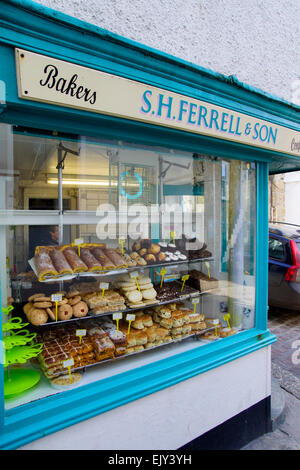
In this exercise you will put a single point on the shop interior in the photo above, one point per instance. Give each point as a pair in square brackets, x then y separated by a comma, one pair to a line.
[156, 246]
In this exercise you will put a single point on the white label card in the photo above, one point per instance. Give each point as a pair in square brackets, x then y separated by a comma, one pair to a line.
[78, 241]
[104, 285]
[117, 316]
[215, 322]
[195, 301]
[80, 332]
[130, 317]
[134, 274]
[68, 363]
[56, 297]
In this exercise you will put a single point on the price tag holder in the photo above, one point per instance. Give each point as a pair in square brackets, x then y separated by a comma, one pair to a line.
[117, 316]
[121, 242]
[104, 286]
[208, 268]
[195, 302]
[162, 274]
[56, 298]
[173, 234]
[78, 242]
[184, 279]
[134, 275]
[80, 334]
[68, 364]
[216, 322]
[129, 317]
[227, 318]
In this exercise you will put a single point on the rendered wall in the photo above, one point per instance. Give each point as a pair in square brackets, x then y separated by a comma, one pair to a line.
[174, 416]
[255, 40]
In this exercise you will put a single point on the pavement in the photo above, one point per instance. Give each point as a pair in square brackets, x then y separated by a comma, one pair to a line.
[285, 395]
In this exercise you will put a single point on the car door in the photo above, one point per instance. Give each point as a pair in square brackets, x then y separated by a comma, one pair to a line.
[279, 262]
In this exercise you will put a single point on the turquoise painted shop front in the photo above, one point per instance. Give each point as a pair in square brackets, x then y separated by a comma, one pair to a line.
[32, 27]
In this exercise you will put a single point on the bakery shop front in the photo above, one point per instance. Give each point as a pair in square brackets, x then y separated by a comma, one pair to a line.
[133, 242]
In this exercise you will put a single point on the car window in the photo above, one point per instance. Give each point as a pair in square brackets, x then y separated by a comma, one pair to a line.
[276, 249]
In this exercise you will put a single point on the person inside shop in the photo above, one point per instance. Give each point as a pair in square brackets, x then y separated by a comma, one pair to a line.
[47, 235]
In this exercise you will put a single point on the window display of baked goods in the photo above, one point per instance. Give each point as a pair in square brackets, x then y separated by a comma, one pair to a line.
[105, 340]
[65, 261]
[87, 299]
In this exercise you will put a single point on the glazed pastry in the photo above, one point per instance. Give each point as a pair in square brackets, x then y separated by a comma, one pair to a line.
[60, 263]
[105, 261]
[154, 249]
[44, 266]
[74, 261]
[141, 261]
[89, 259]
[117, 259]
[150, 259]
[161, 257]
[143, 252]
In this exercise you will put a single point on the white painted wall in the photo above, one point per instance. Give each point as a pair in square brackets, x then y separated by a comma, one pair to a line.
[174, 416]
[292, 197]
[256, 40]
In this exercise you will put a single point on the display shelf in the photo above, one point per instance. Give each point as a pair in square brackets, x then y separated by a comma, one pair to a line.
[127, 310]
[115, 272]
[124, 356]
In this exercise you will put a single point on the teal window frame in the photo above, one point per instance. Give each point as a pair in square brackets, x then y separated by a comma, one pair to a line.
[33, 27]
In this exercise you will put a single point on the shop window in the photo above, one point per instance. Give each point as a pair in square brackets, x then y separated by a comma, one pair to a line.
[118, 255]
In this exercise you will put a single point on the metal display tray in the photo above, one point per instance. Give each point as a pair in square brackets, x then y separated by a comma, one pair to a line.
[124, 356]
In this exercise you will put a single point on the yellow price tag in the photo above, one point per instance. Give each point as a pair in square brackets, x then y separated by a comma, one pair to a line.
[208, 268]
[56, 298]
[227, 318]
[184, 279]
[104, 286]
[68, 364]
[78, 242]
[129, 317]
[162, 273]
[117, 316]
[121, 242]
[195, 302]
[80, 333]
[134, 275]
[216, 323]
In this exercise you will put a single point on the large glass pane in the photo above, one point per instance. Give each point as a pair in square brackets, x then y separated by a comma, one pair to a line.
[90, 229]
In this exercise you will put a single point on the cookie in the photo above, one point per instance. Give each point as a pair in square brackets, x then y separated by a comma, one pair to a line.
[42, 304]
[146, 286]
[64, 312]
[134, 296]
[27, 307]
[136, 305]
[35, 296]
[51, 314]
[74, 300]
[72, 294]
[80, 309]
[149, 294]
[37, 316]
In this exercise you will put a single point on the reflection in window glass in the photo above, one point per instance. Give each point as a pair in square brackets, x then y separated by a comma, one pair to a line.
[80, 215]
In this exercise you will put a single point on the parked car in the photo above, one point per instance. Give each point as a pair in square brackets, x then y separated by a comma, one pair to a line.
[284, 265]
